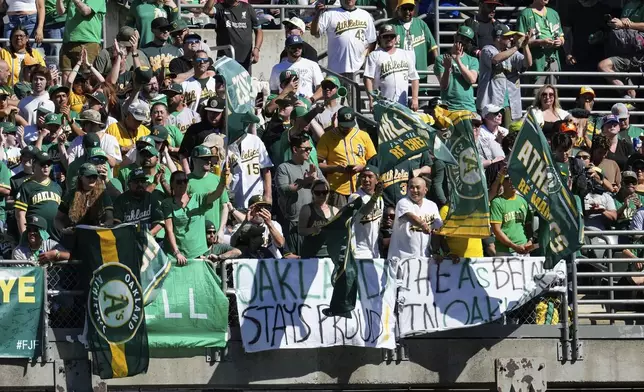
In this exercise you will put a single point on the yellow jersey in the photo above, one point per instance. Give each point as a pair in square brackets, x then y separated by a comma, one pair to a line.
[76, 102]
[124, 137]
[15, 65]
[355, 148]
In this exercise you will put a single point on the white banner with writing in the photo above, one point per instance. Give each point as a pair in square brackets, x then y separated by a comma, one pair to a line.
[280, 305]
[434, 297]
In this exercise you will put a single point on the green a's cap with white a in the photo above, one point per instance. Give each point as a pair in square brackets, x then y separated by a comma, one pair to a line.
[201, 151]
[98, 97]
[87, 169]
[347, 117]
[466, 32]
[37, 221]
[371, 168]
[289, 73]
[54, 119]
[146, 140]
[151, 149]
[174, 88]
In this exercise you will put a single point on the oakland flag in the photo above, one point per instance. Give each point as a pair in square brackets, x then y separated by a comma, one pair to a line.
[535, 175]
[117, 335]
[469, 207]
[337, 234]
[239, 99]
[403, 134]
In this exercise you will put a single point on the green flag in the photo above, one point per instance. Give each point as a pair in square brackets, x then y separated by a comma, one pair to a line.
[403, 134]
[117, 335]
[536, 176]
[469, 207]
[338, 234]
[240, 102]
[21, 311]
[154, 269]
[191, 311]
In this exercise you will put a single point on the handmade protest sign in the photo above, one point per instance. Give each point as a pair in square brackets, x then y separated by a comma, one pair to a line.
[281, 303]
[190, 311]
[443, 296]
[22, 292]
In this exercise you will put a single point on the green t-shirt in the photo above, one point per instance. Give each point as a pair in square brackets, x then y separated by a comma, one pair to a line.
[460, 93]
[416, 37]
[124, 173]
[40, 199]
[67, 201]
[205, 184]
[51, 15]
[5, 182]
[79, 28]
[634, 10]
[146, 210]
[624, 220]
[630, 133]
[512, 214]
[53, 150]
[160, 55]
[218, 249]
[175, 137]
[547, 26]
[142, 13]
[189, 225]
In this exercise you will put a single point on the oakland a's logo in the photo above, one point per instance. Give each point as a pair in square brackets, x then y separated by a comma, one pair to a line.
[553, 183]
[466, 177]
[115, 303]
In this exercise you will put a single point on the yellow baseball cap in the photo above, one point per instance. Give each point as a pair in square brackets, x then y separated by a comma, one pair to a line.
[587, 90]
[403, 2]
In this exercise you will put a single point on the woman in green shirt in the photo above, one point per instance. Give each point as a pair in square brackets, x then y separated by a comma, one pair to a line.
[184, 217]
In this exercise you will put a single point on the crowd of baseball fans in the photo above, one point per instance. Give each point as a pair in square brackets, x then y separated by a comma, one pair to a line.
[134, 130]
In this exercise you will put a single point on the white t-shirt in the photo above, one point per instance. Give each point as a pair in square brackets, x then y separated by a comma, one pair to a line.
[184, 119]
[350, 33]
[28, 105]
[309, 73]
[246, 162]
[392, 72]
[366, 228]
[109, 144]
[406, 239]
[193, 92]
[325, 119]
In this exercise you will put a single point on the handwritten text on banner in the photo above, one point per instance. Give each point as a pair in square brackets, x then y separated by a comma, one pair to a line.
[280, 305]
[443, 296]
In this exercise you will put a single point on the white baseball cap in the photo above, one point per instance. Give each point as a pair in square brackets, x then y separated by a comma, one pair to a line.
[297, 22]
[139, 110]
[620, 110]
[490, 108]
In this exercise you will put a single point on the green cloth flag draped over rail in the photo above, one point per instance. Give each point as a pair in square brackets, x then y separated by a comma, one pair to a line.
[536, 176]
[191, 311]
[21, 311]
[240, 102]
[469, 207]
[117, 335]
[337, 234]
[154, 269]
[402, 134]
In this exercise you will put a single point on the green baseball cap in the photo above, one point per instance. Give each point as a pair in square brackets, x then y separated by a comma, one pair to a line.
[151, 149]
[298, 111]
[42, 110]
[289, 73]
[42, 157]
[346, 117]
[146, 140]
[210, 226]
[174, 88]
[8, 127]
[37, 221]
[98, 97]
[159, 133]
[53, 90]
[178, 25]
[87, 169]
[143, 75]
[54, 119]
[96, 152]
[332, 79]
[137, 174]
[22, 89]
[201, 152]
[371, 168]
[466, 32]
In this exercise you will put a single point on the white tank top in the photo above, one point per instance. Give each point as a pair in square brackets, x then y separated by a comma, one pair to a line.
[21, 6]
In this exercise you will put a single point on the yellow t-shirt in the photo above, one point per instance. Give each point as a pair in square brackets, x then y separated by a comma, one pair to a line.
[337, 149]
[124, 137]
[15, 65]
[462, 247]
[76, 102]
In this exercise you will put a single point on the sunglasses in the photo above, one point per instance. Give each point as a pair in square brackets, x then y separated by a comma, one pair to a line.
[584, 157]
[328, 86]
[306, 149]
[98, 161]
[200, 60]
[181, 182]
[320, 193]
[407, 8]
[211, 232]
[92, 177]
